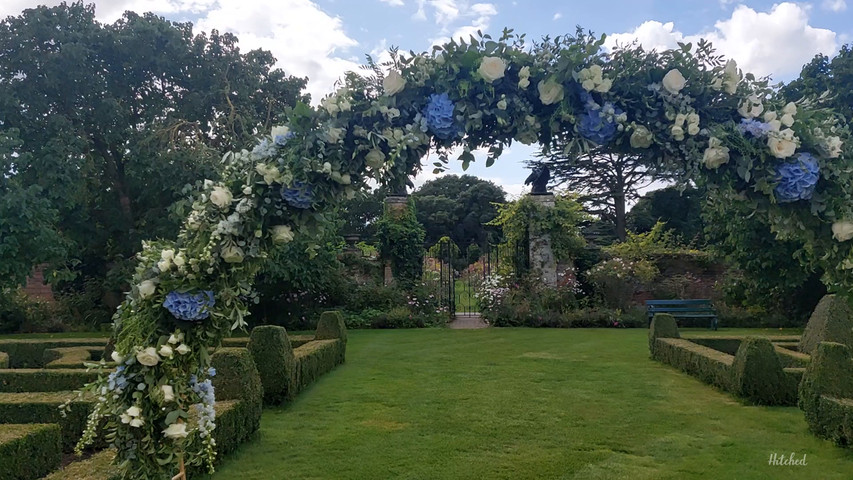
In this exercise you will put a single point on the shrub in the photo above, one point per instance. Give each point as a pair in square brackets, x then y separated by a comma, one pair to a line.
[239, 395]
[43, 407]
[29, 452]
[30, 353]
[70, 357]
[401, 240]
[758, 376]
[706, 364]
[22, 314]
[331, 326]
[663, 326]
[616, 279]
[832, 321]
[828, 376]
[313, 360]
[273, 354]
[40, 380]
[97, 467]
[4, 360]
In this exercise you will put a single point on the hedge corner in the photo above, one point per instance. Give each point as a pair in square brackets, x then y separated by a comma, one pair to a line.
[830, 373]
[663, 326]
[4, 360]
[831, 321]
[29, 452]
[331, 326]
[273, 354]
[757, 374]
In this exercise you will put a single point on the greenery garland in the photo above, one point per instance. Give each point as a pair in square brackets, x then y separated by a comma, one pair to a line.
[684, 110]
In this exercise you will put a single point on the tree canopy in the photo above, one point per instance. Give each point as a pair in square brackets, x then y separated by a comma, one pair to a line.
[681, 210]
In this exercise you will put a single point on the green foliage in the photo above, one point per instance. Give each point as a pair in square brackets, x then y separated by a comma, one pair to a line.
[29, 452]
[315, 359]
[97, 467]
[459, 207]
[832, 321]
[401, 241]
[4, 361]
[331, 326]
[19, 380]
[663, 326]
[29, 353]
[237, 379]
[681, 211]
[273, 355]
[361, 213]
[615, 280]
[43, 407]
[444, 248]
[757, 374]
[561, 222]
[706, 364]
[22, 314]
[826, 80]
[829, 374]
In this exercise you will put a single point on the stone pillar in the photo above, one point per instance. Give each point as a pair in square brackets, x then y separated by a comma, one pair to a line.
[542, 258]
[395, 205]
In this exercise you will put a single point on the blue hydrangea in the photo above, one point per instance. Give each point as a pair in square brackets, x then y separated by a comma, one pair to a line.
[754, 127]
[598, 126]
[439, 116]
[116, 381]
[299, 195]
[281, 140]
[797, 178]
[190, 307]
[211, 372]
[264, 149]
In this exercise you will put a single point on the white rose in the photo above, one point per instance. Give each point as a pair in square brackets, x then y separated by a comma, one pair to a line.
[133, 411]
[750, 107]
[588, 85]
[716, 154]
[393, 83]
[641, 137]
[693, 128]
[832, 146]
[175, 431]
[843, 230]
[167, 254]
[550, 92]
[375, 159]
[693, 119]
[183, 349]
[168, 393]
[787, 119]
[279, 131]
[180, 260]
[680, 119]
[604, 86]
[232, 254]
[164, 265]
[166, 351]
[270, 173]
[331, 105]
[147, 288]
[116, 357]
[125, 418]
[596, 72]
[790, 108]
[148, 357]
[524, 83]
[769, 116]
[176, 338]
[674, 81]
[136, 423]
[782, 144]
[677, 133]
[282, 234]
[221, 196]
[775, 125]
[731, 77]
[502, 104]
[524, 77]
[492, 68]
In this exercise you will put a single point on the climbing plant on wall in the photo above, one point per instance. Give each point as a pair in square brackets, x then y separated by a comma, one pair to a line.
[686, 109]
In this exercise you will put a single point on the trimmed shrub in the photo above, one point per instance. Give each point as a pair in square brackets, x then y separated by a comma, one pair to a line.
[71, 357]
[758, 376]
[826, 392]
[832, 321]
[4, 360]
[331, 326]
[728, 345]
[313, 360]
[29, 452]
[709, 365]
[273, 354]
[41, 380]
[97, 467]
[30, 353]
[44, 408]
[237, 379]
[790, 358]
[663, 326]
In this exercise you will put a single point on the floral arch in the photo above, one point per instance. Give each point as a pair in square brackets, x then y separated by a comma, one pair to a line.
[684, 110]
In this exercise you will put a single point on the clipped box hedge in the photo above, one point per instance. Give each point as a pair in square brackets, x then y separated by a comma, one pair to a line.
[273, 354]
[43, 407]
[29, 452]
[71, 357]
[4, 360]
[826, 393]
[313, 360]
[21, 380]
[757, 374]
[29, 353]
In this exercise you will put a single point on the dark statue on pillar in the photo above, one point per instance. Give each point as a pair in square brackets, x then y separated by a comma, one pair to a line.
[539, 178]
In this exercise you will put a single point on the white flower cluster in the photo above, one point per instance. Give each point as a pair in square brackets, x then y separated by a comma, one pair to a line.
[829, 145]
[337, 102]
[730, 79]
[682, 122]
[591, 79]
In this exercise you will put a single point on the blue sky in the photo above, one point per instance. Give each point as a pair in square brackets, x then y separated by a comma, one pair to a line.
[322, 39]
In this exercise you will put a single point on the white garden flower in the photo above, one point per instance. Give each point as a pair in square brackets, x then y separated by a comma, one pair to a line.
[183, 349]
[133, 411]
[175, 431]
[550, 92]
[180, 260]
[524, 77]
[117, 357]
[641, 137]
[769, 116]
[232, 254]
[588, 85]
[731, 77]
[787, 119]
[176, 338]
[492, 68]
[148, 357]
[502, 104]
[282, 234]
[166, 351]
[831, 145]
[221, 196]
[270, 172]
[790, 109]
[137, 422]
[331, 105]
[394, 83]
[680, 119]
[782, 144]
[750, 107]
[843, 230]
[167, 254]
[334, 134]
[168, 393]
[604, 86]
[693, 128]
[147, 288]
[279, 131]
[125, 418]
[674, 81]
[677, 133]
[375, 159]
[716, 154]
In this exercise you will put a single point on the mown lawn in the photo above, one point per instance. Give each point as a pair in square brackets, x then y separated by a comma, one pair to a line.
[523, 404]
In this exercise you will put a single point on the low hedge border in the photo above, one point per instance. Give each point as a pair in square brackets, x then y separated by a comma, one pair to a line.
[29, 452]
[826, 393]
[30, 353]
[20, 380]
[97, 467]
[71, 357]
[315, 359]
[43, 407]
[4, 360]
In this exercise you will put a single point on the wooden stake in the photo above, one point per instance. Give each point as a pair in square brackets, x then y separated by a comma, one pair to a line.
[182, 474]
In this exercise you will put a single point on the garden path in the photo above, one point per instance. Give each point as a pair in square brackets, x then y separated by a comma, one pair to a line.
[467, 321]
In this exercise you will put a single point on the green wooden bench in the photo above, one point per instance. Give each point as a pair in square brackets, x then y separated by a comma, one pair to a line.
[692, 308]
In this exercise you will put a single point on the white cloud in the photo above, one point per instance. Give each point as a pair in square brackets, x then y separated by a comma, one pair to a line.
[477, 17]
[557, 16]
[777, 42]
[393, 3]
[834, 5]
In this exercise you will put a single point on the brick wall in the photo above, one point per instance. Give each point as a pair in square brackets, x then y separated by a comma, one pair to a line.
[36, 288]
